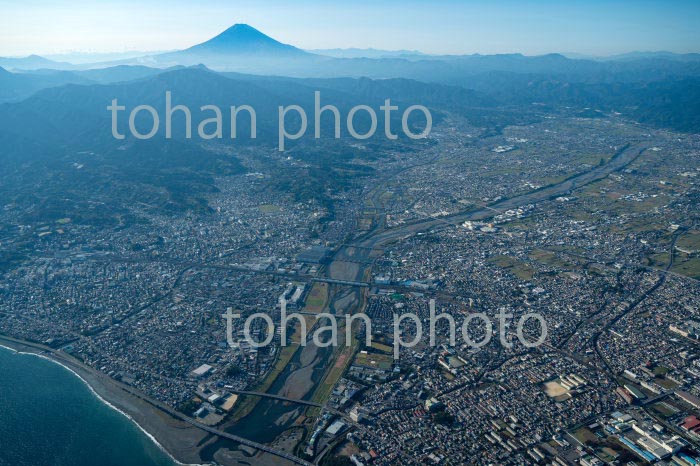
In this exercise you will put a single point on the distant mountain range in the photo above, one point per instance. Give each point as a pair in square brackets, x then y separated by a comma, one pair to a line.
[33, 62]
[59, 158]
[648, 86]
[243, 48]
[59, 155]
[91, 58]
[17, 86]
[369, 53]
[653, 55]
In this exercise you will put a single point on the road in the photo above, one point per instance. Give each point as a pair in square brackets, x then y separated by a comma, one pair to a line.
[620, 160]
[380, 237]
[220, 433]
[77, 366]
[633, 305]
[288, 400]
[356, 257]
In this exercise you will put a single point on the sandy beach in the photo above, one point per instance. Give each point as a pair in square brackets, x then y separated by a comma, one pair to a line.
[180, 440]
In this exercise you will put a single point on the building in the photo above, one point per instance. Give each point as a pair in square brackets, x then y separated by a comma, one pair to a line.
[624, 394]
[335, 428]
[202, 370]
[689, 398]
[635, 392]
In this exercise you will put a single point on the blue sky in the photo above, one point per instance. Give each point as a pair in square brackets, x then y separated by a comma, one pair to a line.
[592, 27]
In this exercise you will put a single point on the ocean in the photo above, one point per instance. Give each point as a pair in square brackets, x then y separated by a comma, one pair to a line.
[50, 417]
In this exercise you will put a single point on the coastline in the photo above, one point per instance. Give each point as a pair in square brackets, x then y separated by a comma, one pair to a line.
[181, 442]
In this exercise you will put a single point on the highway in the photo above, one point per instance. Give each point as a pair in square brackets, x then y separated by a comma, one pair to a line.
[341, 282]
[359, 252]
[289, 400]
[77, 366]
[378, 239]
[217, 432]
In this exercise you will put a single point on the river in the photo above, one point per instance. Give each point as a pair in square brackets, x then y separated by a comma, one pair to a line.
[50, 417]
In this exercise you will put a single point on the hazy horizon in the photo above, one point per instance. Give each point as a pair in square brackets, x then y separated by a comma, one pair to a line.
[530, 27]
